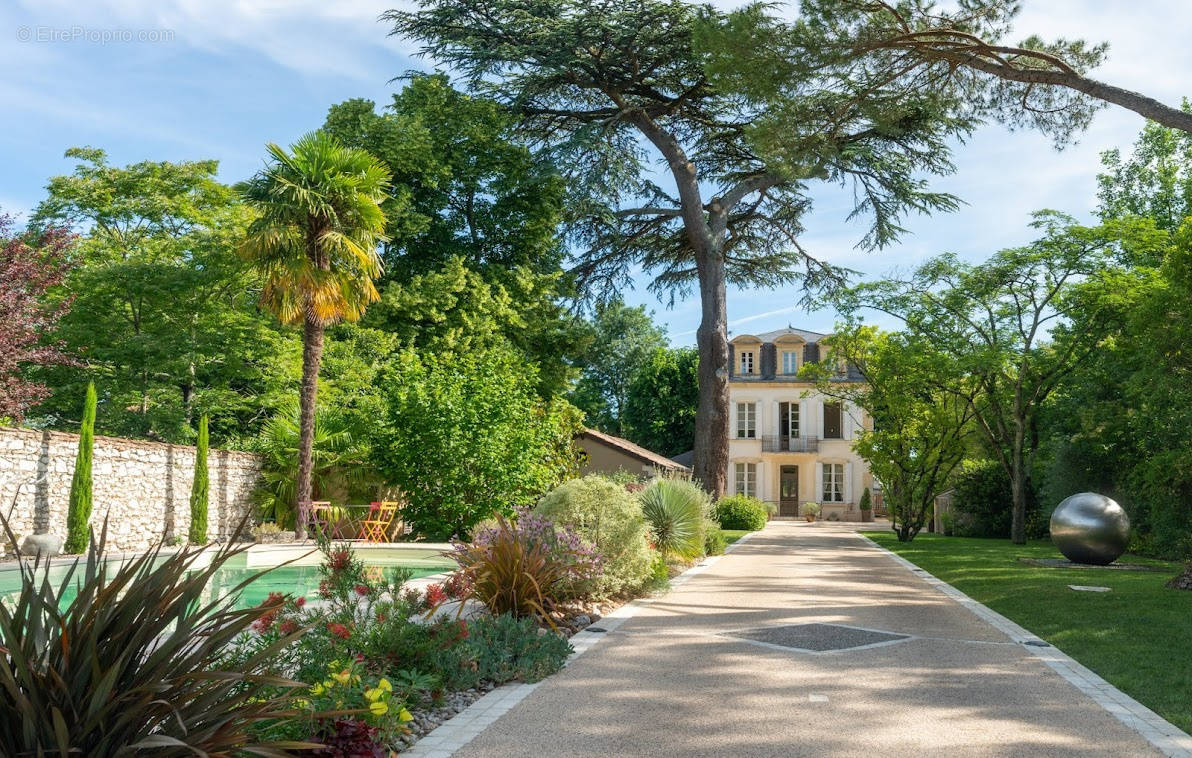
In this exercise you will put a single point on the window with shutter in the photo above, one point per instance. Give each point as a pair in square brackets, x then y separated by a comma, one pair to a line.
[833, 490]
[746, 420]
[832, 421]
[746, 479]
[746, 363]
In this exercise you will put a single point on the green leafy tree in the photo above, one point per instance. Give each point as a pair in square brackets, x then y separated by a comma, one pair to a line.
[473, 222]
[457, 308]
[1154, 182]
[919, 412]
[661, 404]
[78, 512]
[199, 488]
[608, 87]
[1015, 327]
[315, 243]
[466, 437]
[1119, 423]
[463, 185]
[624, 340]
[162, 317]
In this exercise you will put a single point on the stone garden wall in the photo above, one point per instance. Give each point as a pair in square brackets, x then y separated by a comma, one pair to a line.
[142, 487]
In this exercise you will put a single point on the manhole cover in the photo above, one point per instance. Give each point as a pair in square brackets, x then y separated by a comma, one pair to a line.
[818, 638]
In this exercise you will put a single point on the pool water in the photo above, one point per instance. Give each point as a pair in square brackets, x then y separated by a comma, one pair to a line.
[299, 578]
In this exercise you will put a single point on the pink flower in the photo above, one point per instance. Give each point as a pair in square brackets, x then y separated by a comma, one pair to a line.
[339, 630]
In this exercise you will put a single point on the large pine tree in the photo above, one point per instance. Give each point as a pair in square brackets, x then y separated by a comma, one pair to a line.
[612, 89]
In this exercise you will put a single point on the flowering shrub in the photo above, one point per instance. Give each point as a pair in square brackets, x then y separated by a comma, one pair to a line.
[346, 687]
[609, 518]
[564, 546]
[526, 567]
[382, 662]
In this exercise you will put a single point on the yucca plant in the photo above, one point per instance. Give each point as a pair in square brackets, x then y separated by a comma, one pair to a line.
[675, 510]
[133, 664]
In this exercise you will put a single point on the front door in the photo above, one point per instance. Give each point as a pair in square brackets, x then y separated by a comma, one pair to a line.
[788, 491]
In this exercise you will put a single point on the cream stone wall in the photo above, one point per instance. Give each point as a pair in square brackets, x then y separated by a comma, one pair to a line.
[767, 395]
[142, 487]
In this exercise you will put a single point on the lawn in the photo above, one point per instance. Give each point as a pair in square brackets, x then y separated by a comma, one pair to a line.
[1138, 636]
[732, 535]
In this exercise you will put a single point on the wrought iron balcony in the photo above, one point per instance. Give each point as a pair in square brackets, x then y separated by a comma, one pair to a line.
[781, 443]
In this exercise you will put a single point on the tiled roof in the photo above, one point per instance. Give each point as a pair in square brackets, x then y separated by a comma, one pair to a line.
[637, 451]
[811, 337]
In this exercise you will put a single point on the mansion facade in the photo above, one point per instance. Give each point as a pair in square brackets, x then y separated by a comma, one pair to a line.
[790, 444]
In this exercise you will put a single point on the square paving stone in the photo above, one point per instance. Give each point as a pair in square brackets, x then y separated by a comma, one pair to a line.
[818, 638]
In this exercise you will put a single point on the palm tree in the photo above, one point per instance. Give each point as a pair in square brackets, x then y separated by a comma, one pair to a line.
[315, 243]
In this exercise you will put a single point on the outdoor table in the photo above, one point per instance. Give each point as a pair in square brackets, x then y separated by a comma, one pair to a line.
[340, 522]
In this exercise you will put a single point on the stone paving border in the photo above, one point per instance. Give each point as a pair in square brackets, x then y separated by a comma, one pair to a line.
[462, 728]
[1167, 737]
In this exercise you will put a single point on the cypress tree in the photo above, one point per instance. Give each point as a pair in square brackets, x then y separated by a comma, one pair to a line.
[198, 490]
[78, 516]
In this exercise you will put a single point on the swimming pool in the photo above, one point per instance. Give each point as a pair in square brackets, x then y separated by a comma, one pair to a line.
[300, 577]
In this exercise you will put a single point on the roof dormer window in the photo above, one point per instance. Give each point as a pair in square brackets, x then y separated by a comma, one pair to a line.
[790, 362]
[745, 362]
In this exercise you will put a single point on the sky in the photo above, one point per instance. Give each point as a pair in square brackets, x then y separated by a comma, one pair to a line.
[201, 79]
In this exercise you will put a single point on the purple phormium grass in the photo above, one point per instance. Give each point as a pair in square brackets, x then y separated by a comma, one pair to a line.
[582, 559]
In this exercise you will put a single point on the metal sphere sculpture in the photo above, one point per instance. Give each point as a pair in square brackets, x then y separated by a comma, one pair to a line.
[1090, 528]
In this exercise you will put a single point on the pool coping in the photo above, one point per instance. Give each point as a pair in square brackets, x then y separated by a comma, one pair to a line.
[253, 548]
[1161, 733]
[462, 728]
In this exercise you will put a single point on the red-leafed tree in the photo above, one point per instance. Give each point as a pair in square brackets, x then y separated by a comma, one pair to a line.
[30, 264]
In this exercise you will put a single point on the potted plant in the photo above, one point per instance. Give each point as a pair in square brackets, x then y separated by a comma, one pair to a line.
[811, 511]
[866, 506]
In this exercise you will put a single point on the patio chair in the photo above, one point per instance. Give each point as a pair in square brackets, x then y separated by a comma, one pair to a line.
[380, 516]
[322, 518]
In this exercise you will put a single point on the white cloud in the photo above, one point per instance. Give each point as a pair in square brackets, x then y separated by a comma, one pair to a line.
[312, 37]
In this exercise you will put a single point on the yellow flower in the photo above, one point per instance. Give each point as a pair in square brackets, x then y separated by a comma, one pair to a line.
[404, 715]
[342, 677]
[374, 694]
[385, 685]
[301, 703]
[318, 689]
[379, 708]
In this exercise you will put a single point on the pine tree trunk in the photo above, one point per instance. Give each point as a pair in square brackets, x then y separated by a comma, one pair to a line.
[312, 356]
[705, 231]
[710, 459]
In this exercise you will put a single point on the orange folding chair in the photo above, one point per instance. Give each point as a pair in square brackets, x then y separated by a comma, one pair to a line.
[376, 525]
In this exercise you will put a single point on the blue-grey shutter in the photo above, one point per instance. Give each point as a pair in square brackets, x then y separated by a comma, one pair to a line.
[769, 360]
